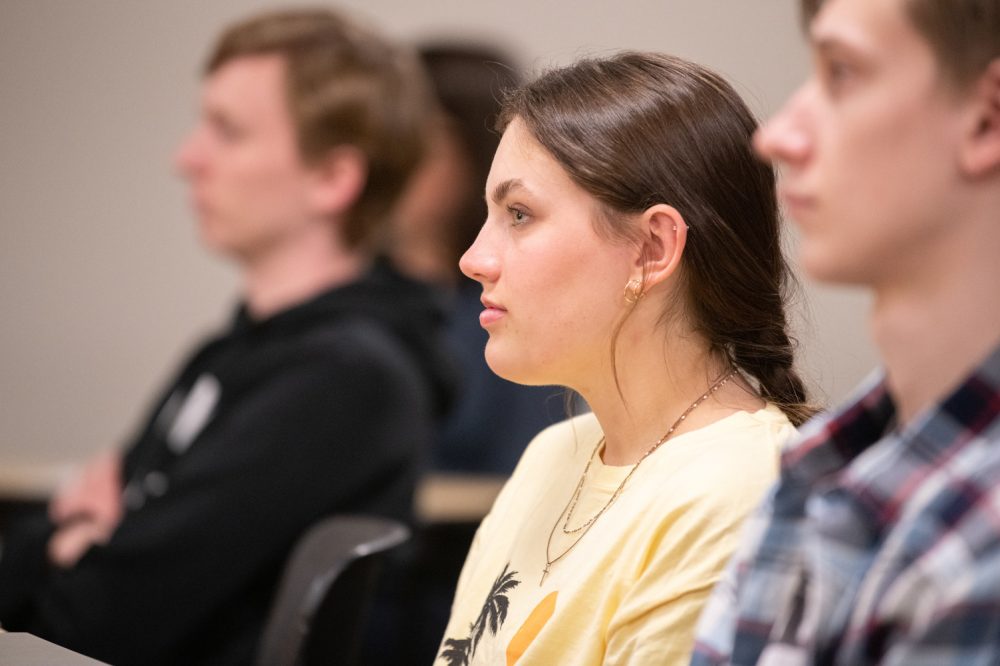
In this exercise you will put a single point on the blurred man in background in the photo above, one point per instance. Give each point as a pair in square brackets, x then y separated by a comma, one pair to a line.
[319, 397]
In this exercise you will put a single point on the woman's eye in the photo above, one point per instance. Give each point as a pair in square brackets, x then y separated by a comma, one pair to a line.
[517, 216]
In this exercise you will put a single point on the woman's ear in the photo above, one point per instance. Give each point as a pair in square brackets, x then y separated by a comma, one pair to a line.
[664, 234]
[980, 152]
[338, 179]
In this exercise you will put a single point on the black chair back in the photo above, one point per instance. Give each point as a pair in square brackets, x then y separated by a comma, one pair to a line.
[326, 592]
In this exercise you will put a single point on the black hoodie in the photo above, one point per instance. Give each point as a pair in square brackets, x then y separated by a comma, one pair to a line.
[325, 407]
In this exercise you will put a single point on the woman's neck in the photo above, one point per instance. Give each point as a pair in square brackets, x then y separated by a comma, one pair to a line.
[657, 384]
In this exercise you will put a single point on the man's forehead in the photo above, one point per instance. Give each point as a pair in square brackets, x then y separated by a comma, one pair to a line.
[246, 70]
[248, 81]
[861, 25]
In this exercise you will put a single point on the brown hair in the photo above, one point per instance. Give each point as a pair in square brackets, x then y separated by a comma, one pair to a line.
[346, 86]
[964, 34]
[469, 80]
[639, 129]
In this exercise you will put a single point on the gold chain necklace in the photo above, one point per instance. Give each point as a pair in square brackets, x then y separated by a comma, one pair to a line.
[571, 505]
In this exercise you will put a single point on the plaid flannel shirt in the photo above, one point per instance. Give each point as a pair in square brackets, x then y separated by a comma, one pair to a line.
[878, 544]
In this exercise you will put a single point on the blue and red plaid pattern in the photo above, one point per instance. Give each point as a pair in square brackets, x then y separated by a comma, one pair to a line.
[877, 545]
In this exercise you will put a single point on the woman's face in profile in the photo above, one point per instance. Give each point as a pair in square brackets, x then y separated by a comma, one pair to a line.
[552, 287]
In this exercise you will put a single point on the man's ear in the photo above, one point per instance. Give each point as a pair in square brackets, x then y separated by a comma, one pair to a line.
[664, 237]
[338, 180]
[980, 152]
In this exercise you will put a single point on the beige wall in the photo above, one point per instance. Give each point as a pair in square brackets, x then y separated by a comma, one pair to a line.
[102, 284]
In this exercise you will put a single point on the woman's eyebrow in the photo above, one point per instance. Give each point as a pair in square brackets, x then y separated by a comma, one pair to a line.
[503, 189]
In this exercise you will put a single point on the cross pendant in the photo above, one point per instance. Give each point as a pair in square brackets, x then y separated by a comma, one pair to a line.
[545, 572]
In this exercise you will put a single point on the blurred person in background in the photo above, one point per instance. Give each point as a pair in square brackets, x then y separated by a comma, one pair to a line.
[881, 542]
[318, 398]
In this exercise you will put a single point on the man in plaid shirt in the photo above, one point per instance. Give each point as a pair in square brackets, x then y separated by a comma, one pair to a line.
[881, 542]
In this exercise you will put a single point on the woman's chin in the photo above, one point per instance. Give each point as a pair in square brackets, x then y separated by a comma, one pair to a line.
[506, 367]
[518, 373]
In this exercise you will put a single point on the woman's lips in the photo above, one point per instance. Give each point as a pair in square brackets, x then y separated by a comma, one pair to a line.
[491, 314]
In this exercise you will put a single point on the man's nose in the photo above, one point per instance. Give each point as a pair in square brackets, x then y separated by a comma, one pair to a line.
[785, 137]
[189, 155]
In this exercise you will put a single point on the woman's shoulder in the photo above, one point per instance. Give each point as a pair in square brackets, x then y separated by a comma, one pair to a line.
[746, 433]
[732, 460]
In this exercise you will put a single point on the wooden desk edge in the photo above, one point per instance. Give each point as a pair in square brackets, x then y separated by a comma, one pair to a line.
[35, 481]
[456, 497]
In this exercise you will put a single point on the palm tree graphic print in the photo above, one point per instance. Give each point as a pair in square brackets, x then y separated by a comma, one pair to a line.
[458, 651]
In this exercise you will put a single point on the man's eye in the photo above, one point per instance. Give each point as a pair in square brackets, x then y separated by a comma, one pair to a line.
[838, 74]
[226, 131]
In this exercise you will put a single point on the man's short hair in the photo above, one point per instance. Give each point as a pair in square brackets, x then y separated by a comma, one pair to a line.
[346, 85]
[964, 34]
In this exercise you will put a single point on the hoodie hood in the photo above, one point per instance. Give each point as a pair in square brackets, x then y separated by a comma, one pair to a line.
[412, 311]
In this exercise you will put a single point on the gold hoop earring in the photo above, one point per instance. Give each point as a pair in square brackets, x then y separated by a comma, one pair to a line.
[633, 292]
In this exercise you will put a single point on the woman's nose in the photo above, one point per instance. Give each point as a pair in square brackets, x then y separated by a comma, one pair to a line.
[480, 261]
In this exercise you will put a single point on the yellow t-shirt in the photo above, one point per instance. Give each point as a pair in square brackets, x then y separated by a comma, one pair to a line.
[631, 588]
